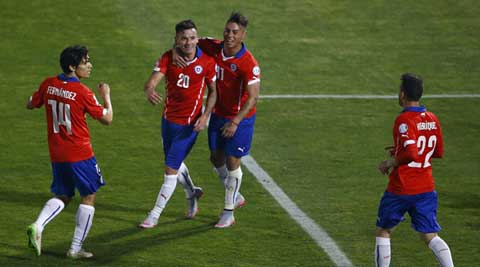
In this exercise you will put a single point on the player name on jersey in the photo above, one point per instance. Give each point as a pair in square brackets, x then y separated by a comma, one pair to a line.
[61, 92]
[422, 126]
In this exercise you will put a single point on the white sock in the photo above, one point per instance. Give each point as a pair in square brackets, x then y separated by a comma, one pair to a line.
[164, 195]
[83, 221]
[232, 186]
[441, 251]
[222, 173]
[382, 252]
[185, 180]
[52, 208]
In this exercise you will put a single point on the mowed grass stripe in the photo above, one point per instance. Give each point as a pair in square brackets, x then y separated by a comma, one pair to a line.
[317, 233]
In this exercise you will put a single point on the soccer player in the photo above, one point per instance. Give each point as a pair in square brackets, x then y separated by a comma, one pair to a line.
[417, 138]
[230, 130]
[74, 165]
[182, 114]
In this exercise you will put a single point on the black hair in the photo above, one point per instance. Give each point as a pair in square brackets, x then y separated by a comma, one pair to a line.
[412, 86]
[185, 25]
[72, 56]
[237, 17]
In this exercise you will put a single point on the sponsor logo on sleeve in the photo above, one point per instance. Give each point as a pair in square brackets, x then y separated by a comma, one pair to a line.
[403, 128]
[256, 70]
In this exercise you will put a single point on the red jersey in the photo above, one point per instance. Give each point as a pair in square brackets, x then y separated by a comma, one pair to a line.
[66, 102]
[234, 74]
[417, 137]
[185, 86]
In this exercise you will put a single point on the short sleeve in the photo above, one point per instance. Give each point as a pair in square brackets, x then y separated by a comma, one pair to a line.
[252, 72]
[92, 106]
[38, 96]
[163, 62]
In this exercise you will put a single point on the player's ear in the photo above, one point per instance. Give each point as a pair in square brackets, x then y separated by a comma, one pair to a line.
[72, 68]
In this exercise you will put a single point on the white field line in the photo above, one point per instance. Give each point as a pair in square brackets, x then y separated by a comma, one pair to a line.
[314, 230]
[364, 96]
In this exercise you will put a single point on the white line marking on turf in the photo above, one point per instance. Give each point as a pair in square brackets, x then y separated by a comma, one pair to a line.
[314, 230]
[364, 96]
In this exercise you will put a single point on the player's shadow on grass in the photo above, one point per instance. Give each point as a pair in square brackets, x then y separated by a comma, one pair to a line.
[38, 199]
[108, 247]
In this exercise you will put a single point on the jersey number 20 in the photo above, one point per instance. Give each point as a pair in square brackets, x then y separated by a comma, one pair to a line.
[423, 145]
[60, 116]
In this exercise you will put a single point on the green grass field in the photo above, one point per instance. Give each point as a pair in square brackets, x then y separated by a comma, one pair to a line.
[322, 152]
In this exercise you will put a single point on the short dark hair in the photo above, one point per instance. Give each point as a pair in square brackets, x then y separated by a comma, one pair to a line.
[237, 17]
[412, 86]
[185, 25]
[72, 56]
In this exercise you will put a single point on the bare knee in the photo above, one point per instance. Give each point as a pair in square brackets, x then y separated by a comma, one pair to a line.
[89, 199]
[217, 158]
[427, 237]
[64, 199]
[381, 232]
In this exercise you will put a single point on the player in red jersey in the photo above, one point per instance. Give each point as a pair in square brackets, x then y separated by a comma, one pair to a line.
[66, 102]
[182, 114]
[417, 138]
[230, 130]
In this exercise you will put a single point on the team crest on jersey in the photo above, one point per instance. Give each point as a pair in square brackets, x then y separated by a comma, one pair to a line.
[403, 128]
[233, 67]
[198, 69]
[256, 70]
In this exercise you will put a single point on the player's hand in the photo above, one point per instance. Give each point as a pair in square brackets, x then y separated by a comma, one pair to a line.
[201, 123]
[103, 89]
[385, 166]
[390, 150]
[178, 60]
[229, 129]
[153, 97]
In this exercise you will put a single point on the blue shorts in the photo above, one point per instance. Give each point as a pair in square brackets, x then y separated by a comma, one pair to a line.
[422, 209]
[177, 140]
[84, 175]
[237, 146]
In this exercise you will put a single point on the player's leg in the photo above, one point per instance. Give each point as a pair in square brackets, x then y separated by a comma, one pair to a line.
[192, 193]
[439, 248]
[83, 223]
[217, 144]
[63, 188]
[424, 221]
[88, 179]
[232, 186]
[163, 196]
[390, 213]
[382, 247]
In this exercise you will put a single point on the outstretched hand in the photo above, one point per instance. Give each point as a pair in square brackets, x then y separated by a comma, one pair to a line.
[153, 97]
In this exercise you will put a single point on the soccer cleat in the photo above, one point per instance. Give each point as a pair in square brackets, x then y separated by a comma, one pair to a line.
[34, 239]
[240, 201]
[226, 220]
[82, 254]
[149, 222]
[192, 203]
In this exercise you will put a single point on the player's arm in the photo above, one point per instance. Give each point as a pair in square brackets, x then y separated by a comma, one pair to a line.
[407, 151]
[104, 91]
[211, 100]
[149, 88]
[253, 89]
[29, 103]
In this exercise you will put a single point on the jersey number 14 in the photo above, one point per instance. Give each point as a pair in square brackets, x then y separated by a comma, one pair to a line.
[60, 116]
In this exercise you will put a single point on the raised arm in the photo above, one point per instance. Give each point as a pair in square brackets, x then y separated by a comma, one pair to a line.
[104, 91]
